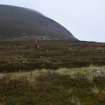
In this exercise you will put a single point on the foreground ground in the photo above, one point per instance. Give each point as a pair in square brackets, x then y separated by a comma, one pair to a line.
[19, 56]
[79, 86]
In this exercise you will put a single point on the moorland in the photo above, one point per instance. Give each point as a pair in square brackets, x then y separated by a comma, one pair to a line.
[56, 73]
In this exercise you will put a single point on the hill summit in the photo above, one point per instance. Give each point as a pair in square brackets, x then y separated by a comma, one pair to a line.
[18, 23]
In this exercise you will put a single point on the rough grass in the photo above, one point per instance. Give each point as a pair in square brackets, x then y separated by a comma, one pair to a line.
[20, 56]
[54, 74]
[80, 86]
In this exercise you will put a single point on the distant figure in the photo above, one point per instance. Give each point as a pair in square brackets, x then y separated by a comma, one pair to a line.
[36, 44]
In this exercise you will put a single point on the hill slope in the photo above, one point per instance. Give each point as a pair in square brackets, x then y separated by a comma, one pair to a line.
[18, 23]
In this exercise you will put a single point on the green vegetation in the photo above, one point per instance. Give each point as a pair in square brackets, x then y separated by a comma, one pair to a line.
[20, 56]
[54, 87]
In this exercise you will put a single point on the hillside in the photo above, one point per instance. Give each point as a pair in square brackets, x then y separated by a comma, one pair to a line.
[18, 23]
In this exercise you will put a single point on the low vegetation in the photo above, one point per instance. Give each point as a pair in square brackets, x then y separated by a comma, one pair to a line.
[20, 56]
[79, 86]
[56, 73]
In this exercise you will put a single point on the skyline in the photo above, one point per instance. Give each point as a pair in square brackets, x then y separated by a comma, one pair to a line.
[84, 19]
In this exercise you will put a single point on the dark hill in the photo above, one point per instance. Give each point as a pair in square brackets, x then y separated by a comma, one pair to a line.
[18, 23]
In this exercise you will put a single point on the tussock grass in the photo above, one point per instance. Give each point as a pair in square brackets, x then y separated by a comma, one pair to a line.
[54, 87]
[89, 72]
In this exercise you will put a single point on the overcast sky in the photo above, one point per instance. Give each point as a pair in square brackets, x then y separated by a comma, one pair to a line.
[84, 18]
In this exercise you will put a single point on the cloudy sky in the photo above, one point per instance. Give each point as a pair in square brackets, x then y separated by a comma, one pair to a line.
[84, 18]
